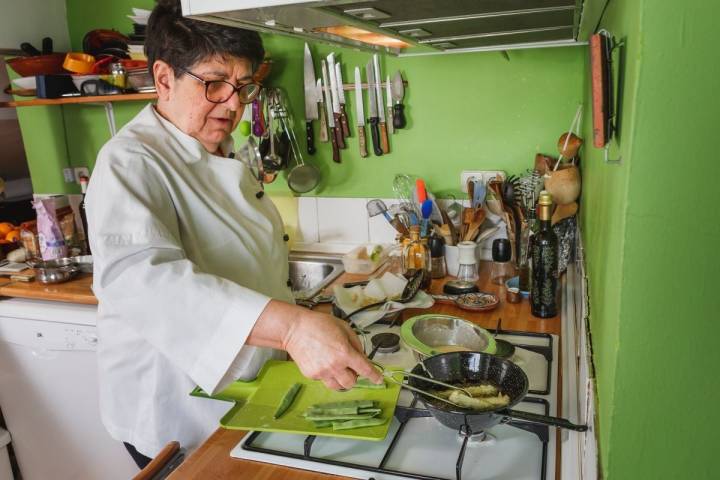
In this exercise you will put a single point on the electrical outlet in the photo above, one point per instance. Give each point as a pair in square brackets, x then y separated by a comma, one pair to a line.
[68, 175]
[478, 175]
[81, 172]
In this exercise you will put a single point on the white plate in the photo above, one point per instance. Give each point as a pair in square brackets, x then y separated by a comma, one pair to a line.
[26, 83]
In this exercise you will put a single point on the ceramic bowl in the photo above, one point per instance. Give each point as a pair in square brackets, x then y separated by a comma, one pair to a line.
[514, 282]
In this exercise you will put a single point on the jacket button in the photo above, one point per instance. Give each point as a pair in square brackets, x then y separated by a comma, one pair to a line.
[286, 237]
[259, 194]
[289, 283]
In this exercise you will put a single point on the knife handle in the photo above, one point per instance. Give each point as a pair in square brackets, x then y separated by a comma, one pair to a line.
[384, 138]
[344, 121]
[335, 149]
[362, 141]
[309, 138]
[375, 134]
[399, 116]
[323, 125]
[390, 121]
[338, 132]
[257, 126]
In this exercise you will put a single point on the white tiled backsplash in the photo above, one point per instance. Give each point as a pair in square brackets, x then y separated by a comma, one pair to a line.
[337, 225]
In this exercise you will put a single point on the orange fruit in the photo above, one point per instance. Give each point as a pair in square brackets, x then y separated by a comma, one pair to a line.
[13, 236]
[5, 228]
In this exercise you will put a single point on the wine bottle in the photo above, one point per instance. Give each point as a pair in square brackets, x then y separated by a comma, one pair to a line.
[543, 299]
[83, 215]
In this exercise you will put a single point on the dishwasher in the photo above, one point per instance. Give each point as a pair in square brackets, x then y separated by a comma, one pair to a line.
[49, 393]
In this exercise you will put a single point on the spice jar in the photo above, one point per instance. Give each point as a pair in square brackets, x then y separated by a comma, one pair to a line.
[437, 257]
[118, 75]
[416, 256]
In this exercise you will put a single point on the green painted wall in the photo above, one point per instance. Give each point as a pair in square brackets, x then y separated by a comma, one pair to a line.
[470, 111]
[650, 259]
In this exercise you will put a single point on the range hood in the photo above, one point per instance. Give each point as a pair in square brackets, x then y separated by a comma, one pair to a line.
[424, 26]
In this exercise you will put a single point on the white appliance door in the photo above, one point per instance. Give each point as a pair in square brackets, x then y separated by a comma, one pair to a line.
[49, 397]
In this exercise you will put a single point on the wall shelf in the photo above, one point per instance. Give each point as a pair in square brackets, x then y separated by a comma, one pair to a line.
[130, 97]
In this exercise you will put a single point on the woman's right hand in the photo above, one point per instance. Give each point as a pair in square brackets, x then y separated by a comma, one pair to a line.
[324, 347]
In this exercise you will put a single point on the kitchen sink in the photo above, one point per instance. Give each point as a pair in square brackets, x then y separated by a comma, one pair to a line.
[311, 272]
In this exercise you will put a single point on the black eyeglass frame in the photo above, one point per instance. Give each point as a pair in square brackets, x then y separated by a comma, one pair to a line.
[236, 90]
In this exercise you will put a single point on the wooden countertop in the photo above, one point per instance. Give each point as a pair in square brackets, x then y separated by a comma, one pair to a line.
[76, 290]
[212, 459]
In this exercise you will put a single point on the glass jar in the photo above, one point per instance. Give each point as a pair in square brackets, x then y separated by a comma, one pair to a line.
[468, 270]
[118, 75]
[416, 254]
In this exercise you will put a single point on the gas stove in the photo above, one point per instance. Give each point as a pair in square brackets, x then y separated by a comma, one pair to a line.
[418, 446]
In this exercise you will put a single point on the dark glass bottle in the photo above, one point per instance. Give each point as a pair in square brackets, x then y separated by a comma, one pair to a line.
[543, 299]
[83, 215]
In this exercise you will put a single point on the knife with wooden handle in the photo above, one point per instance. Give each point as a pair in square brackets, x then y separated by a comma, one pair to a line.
[373, 109]
[360, 114]
[341, 97]
[388, 100]
[335, 101]
[382, 126]
[330, 116]
[323, 116]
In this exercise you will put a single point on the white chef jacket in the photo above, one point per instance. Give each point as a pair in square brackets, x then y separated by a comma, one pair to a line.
[186, 257]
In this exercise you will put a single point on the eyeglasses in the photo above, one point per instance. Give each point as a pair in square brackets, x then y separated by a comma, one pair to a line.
[220, 91]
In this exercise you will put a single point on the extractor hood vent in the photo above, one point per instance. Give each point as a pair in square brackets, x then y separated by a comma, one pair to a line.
[401, 26]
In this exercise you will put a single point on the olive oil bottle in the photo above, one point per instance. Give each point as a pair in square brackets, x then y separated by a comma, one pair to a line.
[543, 298]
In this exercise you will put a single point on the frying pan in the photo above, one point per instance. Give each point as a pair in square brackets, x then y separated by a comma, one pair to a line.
[467, 368]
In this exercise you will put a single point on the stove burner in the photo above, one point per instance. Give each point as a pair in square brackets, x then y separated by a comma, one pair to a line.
[386, 342]
[466, 432]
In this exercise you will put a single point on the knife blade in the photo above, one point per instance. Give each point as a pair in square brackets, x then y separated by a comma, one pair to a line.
[398, 92]
[341, 96]
[330, 116]
[311, 101]
[360, 114]
[381, 108]
[388, 100]
[335, 100]
[373, 109]
[323, 116]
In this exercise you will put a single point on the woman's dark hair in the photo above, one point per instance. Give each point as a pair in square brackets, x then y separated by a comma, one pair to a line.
[181, 42]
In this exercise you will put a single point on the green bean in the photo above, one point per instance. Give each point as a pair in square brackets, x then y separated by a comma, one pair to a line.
[363, 416]
[347, 404]
[369, 410]
[323, 423]
[370, 422]
[287, 400]
[366, 383]
[332, 411]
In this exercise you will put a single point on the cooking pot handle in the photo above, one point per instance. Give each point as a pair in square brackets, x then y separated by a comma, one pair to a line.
[543, 419]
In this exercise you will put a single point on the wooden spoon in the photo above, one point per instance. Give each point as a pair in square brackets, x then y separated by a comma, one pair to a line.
[467, 219]
[474, 227]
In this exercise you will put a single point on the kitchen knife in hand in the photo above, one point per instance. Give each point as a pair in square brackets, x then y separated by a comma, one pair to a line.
[323, 116]
[330, 116]
[311, 101]
[382, 127]
[373, 109]
[388, 99]
[398, 92]
[341, 97]
[360, 114]
[335, 100]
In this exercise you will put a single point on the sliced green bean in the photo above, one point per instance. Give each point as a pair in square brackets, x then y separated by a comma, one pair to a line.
[370, 422]
[370, 410]
[323, 423]
[315, 418]
[347, 404]
[332, 411]
[287, 400]
[366, 383]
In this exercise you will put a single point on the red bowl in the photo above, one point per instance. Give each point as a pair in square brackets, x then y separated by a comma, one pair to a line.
[40, 65]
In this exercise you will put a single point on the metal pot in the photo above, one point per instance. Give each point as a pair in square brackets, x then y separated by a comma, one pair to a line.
[467, 368]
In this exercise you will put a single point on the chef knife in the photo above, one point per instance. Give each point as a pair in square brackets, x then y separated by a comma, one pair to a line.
[335, 100]
[398, 92]
[330, 117]
[380, 107]
[388, 99]
[311, 101]
[341, 97]
[373, 109]
[360, 114]
[323, 116]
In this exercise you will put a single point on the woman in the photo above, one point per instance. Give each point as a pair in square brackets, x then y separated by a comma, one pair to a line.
[191, 264]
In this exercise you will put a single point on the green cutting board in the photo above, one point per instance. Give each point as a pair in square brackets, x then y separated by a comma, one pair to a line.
[256, 402]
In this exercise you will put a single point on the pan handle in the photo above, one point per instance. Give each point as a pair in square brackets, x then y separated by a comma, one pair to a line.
[543, 419]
